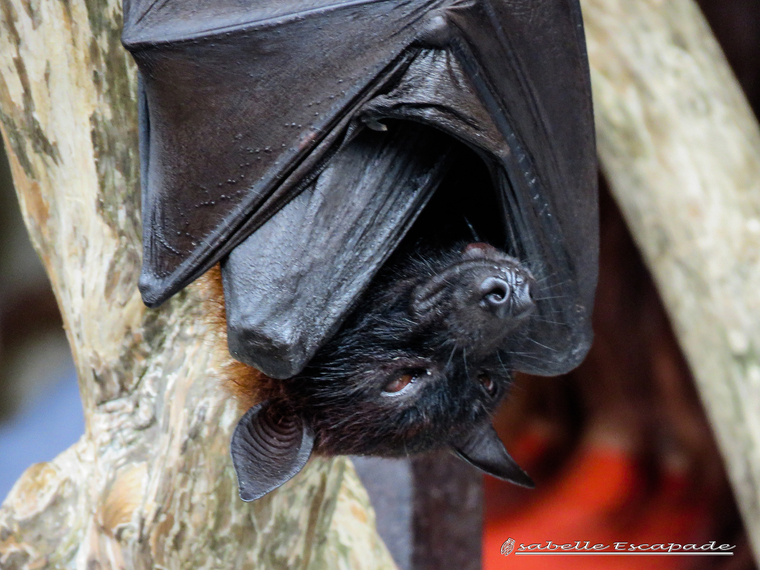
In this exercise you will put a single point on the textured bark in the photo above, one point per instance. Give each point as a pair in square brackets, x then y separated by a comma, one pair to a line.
[681, 150]
[150, 484]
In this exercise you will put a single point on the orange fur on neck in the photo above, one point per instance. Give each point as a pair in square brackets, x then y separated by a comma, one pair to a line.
[247, 384]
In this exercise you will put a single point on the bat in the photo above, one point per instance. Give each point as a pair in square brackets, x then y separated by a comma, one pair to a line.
[416, 368]
[333, 155]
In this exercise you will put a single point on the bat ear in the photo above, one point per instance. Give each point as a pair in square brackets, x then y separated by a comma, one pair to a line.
[269, 447]
[482, 448]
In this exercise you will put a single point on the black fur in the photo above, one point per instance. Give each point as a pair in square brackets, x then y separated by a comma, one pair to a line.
[450, 346]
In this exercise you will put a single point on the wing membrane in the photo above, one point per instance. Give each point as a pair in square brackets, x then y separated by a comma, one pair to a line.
[528, 64]
[233, 111]
[244, 105]
[291, 283]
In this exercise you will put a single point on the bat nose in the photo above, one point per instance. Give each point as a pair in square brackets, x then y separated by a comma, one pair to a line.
[506, 299]
[495, 293]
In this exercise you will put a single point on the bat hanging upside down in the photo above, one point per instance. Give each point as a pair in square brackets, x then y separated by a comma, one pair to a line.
[320, 151]
[417, 367]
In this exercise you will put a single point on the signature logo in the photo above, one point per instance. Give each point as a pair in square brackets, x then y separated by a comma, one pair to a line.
[586, 548]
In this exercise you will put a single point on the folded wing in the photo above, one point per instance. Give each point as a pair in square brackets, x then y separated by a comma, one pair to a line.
[244, 107]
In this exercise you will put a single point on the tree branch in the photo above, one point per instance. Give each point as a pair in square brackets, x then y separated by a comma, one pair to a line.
[681, 150]
[150, 484]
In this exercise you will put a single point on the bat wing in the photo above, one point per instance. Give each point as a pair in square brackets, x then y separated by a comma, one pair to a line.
[242, 104]
[510, 80]
[289, 285]
[528, 64]
[245, 108]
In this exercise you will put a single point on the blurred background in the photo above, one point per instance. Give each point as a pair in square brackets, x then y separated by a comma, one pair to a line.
[40, 410]
[620, 449]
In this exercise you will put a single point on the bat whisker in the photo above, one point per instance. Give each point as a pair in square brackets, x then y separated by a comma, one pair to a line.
[542, 345]
[525, 355]
[451, 356]
[548, 321]
[475, 235]
[553, 285]
[501, 362]
[550, 297]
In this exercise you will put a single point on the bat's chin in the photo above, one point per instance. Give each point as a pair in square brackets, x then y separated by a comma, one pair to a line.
[480, 299]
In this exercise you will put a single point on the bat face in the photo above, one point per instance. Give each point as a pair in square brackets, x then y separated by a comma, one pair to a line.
[418, 364]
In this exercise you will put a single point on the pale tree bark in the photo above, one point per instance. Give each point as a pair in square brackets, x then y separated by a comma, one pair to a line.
[150, 484]
[681, 150]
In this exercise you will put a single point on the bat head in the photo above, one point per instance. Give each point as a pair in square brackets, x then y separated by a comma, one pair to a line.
[420, 365]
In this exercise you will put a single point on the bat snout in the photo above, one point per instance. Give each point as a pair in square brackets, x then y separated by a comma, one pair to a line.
[506, 299]
[479, 300]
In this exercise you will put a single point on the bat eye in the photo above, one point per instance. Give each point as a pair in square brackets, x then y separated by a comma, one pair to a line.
[403, 380]
[487, 382]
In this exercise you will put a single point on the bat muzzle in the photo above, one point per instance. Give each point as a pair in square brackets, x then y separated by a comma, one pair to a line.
[480, 299]
[507, 299]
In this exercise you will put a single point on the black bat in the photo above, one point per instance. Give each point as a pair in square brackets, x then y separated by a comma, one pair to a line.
[298, 142]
